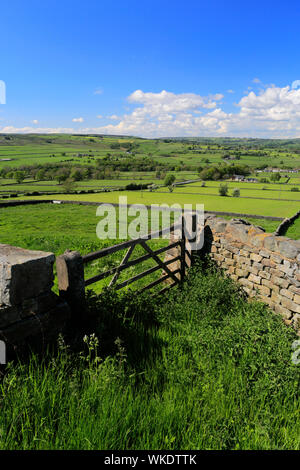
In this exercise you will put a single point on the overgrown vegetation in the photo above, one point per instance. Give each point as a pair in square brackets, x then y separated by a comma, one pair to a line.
[204, 369]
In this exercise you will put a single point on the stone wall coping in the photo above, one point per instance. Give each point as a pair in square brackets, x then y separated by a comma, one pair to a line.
[16, 255]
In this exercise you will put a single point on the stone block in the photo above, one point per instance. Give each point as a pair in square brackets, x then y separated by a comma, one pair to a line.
[296, 299]
[24, 274]
[246, 283]
[264, 254]
[264, 290]
[268, 262]
[288, 249]
[264, 274]
[241, 272]
[255, 257]
[289, 304]
[287, 293]
[279, 281]
[284, 312]
[254, 279]
[270, 285]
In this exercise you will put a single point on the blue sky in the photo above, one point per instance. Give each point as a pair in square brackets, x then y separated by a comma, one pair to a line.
[151, 68]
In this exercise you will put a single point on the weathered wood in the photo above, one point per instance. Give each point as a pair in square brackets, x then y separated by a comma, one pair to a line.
[162, 264]
[158, 281]
[123, 262]
[129, 264]
[139, 276]
[121, 246]
[154, 254]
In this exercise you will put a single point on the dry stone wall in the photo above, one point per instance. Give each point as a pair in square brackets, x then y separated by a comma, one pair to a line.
[266, 266]
[28, 307]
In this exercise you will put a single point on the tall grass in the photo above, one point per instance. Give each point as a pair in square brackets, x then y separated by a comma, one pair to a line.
[199, 369]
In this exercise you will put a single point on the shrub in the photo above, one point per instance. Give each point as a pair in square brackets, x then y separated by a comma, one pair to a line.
[236, 192]
[223, 189]
[295, 190]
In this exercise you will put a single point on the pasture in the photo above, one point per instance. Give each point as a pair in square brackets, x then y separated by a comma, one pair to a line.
[62, 149]
[212, 202]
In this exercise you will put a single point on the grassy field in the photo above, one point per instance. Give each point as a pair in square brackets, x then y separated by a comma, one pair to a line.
[294, 230]
[55, 148]
[211, 202]
[204, 369]
[103, 157]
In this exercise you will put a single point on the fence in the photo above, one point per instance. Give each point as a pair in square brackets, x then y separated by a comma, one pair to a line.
[70, 266]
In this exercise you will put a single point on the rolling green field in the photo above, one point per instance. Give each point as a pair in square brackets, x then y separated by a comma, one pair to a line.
[211, 202]
[57, 148]
[148, 161]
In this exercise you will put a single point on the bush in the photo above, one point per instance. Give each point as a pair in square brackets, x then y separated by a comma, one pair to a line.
[295, 190]
[223, 189]
[134, 186]
[236, 192]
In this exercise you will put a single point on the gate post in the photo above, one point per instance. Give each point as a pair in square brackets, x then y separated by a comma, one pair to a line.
[70, 275]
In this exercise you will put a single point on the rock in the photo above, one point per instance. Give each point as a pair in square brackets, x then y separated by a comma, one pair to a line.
[24, 274]
[288, 249]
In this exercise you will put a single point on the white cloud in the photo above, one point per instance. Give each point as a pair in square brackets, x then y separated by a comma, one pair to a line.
[114, 117]
[271, 112]
[99, 116]
[256, 80]
[37, 130]
[230, 91]
[295, 84]
[99, 91]
[35, 121]
[170, 102]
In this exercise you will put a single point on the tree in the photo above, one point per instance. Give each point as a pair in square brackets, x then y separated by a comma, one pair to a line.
[169, 180]
[275, 177]
[19, 176]
[68, 185]
[223, 189]
[236, 192]
[77, 175]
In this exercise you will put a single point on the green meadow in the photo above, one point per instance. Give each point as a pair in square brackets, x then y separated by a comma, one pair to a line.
[211, 202]
[64, 148]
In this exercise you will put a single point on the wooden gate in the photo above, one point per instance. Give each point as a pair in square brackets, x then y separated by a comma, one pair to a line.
[168, 274]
